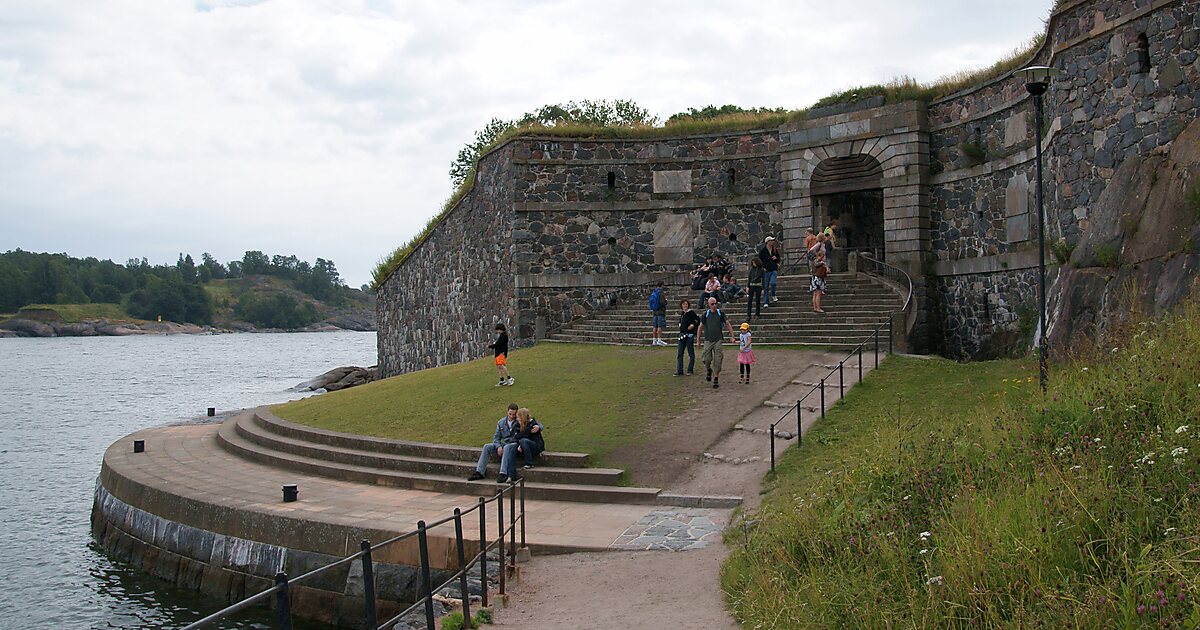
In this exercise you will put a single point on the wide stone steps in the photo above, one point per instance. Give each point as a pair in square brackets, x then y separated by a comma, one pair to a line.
[855, 307]
[261, 437]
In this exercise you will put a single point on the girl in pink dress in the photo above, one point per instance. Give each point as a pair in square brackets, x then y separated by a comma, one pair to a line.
[745, 356]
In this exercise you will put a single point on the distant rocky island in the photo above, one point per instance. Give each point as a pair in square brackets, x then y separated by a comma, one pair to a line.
[48, 323]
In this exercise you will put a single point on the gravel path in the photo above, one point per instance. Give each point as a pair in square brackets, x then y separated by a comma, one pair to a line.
[634, 589]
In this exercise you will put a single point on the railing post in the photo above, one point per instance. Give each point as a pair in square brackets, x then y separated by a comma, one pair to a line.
[283, 604]
[483, 545]
[426, 580]
[841, 379]
[772, 447]
[512, 521]
[822, 399]
[500, 537]
[462, 568]
[799, 424]
[369, 585]
[860, 363]
[891, 335]
[523, 545]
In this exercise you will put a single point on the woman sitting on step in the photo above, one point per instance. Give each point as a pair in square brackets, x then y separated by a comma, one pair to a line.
[530, 443]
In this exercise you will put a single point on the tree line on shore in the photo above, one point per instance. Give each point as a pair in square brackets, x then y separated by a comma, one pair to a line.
[174, 292]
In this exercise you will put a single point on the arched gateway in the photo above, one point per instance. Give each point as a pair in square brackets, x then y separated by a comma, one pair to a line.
[867, 169]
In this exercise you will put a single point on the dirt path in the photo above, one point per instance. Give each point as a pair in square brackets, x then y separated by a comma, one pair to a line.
[659, 588]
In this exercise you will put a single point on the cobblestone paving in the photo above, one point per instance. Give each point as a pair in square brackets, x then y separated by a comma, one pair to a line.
[676, 530]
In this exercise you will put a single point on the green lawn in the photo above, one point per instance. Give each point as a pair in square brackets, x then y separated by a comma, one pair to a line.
[72, 313]
[592, 399]
[941, 494]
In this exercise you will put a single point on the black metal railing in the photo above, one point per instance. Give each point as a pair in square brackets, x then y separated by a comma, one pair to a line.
[282, 599]
[820, 386]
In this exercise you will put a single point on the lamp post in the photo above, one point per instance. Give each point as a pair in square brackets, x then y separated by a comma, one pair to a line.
[1037, 79]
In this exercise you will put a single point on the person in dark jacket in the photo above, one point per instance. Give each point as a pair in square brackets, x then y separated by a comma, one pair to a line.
[768, 253]
[688, 323]
[530, 442]
[500, 345]
[755, 286]
[504, 443]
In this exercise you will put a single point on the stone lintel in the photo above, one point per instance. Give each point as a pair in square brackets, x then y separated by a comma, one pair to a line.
[1010, 261]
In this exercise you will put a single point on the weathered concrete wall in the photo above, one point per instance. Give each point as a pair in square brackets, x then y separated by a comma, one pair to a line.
[441, 305]
[230, 568]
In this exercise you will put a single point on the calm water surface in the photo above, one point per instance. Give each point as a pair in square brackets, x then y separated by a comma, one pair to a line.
[63, 401]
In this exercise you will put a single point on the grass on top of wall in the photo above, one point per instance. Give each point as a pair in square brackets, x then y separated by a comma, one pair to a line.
[898, 90]
[944, 494]
[74, 313]
[592, 399]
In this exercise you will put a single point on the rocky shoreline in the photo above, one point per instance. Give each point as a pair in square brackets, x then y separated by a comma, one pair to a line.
[22, 327]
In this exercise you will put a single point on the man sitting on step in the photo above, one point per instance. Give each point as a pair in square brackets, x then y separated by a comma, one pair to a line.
[504, 441]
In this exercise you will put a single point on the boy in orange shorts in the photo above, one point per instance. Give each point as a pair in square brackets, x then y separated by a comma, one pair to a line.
[501, 348]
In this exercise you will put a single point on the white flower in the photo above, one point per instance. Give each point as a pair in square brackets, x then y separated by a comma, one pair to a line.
[1158, 500]
[1169, 531]
[1076, 467]
[936, 580]
[1183, 428]
[1148, 458]
[1096, 440]
[1178, 451]
[924, 551]
[906, 497]
[1085, 369]
[925, 535]
[891, 534]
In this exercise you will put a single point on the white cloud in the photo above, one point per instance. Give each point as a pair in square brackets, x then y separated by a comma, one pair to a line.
[321, 128]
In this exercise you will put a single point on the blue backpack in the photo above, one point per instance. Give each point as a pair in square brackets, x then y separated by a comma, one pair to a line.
[656, 300]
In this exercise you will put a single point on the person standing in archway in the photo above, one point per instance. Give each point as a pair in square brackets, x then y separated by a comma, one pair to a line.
[768, 253]
[830, 234]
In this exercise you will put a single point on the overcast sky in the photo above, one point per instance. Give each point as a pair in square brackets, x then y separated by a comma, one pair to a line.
[325, 128]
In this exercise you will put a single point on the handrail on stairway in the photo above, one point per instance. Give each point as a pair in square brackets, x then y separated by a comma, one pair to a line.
[877, 267]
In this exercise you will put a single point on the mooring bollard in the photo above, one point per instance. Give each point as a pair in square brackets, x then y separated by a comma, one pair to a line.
[290, 492]
[139, 446]
[212, 411]
[368, 585]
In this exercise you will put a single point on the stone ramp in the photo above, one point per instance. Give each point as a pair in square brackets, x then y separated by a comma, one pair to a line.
[185, 476]
[738, 460]
[261, 437]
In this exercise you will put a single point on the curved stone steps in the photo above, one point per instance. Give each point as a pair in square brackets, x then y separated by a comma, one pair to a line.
[230, 440]
[269, 421]
[251, 430]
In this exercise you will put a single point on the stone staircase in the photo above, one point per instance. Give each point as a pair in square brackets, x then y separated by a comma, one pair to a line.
[262, 437]
[855, 305]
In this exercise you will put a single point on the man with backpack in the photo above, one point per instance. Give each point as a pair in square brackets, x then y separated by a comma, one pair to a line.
[658, 306]
[712, 355]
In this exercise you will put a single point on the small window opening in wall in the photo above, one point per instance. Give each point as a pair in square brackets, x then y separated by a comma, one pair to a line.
[732, 236]
[612, 240]
[612, 179]
[1143, 54]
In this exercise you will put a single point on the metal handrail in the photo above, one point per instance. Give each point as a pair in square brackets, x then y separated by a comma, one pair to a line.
[895, 273]
[283, 582]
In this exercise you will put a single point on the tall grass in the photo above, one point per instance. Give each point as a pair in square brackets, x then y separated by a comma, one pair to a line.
[981, 503]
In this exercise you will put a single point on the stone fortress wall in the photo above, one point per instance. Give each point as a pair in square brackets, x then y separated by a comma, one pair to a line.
[556, 228]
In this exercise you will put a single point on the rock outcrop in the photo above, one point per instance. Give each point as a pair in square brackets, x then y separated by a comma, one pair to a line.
[1140, 251]
[339, 378]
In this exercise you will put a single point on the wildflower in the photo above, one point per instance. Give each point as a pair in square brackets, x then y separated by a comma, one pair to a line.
[906, 497]
[1085, 369]
[1076, 467]
[938, 580]
[1183, 428]
[925, 535]
[1096, 440]
[1178, 451]
[891, 534]
[1169, 531]
[1098, 409]
[1141, 609]
[924, 551]
[1148, 458]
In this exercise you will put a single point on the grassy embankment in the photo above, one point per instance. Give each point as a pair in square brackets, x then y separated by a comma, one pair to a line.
[73, 313]
[593, 399]
[942, 494]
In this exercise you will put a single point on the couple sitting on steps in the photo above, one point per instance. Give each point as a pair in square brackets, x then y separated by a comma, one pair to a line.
[517, 432]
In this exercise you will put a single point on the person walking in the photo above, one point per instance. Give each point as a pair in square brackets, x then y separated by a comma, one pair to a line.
[768, 253]
[816, 285]
[745, 357]
[754, 285]
[711, 324]
[658, 307]
[500, 345]
[689, 323]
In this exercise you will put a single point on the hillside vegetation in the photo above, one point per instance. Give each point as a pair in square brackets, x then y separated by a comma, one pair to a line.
[942, 494]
